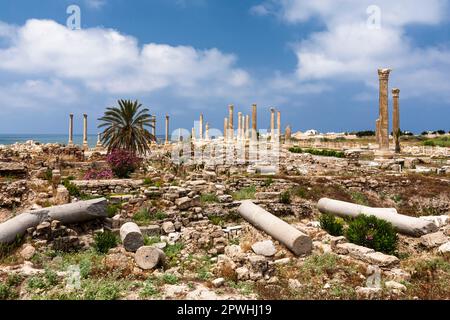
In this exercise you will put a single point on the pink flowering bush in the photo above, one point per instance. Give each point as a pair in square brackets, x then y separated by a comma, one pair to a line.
[102, 174]
[123, 162]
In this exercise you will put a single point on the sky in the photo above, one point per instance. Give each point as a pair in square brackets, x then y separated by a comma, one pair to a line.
[315, 61]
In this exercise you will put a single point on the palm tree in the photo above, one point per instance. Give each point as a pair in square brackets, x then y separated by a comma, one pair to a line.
[125, 127]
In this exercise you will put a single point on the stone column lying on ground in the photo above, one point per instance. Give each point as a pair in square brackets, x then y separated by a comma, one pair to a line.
[148, 258]
[404, 224]
[296, 241]
[67, 214]
[131, 236]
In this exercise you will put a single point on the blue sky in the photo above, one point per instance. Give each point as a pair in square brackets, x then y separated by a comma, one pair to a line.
[316, 61]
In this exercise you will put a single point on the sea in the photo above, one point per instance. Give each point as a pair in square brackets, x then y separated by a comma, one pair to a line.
[8, 139]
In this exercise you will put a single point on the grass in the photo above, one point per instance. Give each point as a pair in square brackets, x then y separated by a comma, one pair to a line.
[312, 274]
[285, 197]
[148, 241]
[172, 252]
[144, 216]
[149, 289]
[43, 281]
[359, 198]
[9, 289]
[318, 152]
[438, 142]
[6, 250]
[113, 209]
[208, 198]
[245, 193]
[104, 241]
[170, 278]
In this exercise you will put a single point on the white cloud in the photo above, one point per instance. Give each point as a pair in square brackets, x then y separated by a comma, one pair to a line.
[347, 49]
[106, 60]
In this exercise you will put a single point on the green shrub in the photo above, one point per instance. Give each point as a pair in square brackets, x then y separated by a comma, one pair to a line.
[112, 209]
[170, 278]
[285, 197]
[209, 198]
[332, 225]
[49, 175]
[149, 289]
[245, 193]
[371, 232]
[144, 216]
[268, 182]
[148, 182]
[105, 241]
[74, 191]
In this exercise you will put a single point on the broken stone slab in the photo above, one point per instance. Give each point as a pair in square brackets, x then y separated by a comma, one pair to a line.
[381, 259]
[358, 252]
[445, 249]
[267, 195]
[439, 221]
[151, 230]
[27, 252]
[433, 240]
[367, 293]
[184, 203]
[404, 224]
[168, 227]
[264, 248]
[296, 241]
[77, 212]
[131, 236]
[12, 168]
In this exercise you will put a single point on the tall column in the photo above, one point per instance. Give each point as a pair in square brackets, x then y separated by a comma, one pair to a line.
[278, 125]
[230, 132]
[99, 141]
[167, 129]
[225, 129]
[254, 122]
[377, 131]
[239, 125]
[383, 75]
[85, 124]
[193, 134]
[154, 128]
[247, 127]
[287, 135]
[200, 135]
[71, 129]
[396, 119]
[207, 131]
[272, 124]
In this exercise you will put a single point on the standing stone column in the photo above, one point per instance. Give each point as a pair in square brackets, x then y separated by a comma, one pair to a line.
[278, 125]
[230, 132]
[272, 124]
[377, 130]
[247, 127]
[193, 134]
[254, 122]
[154, 128]
[225, 128]
[383, 75]
[396, 119]
[85, 124]
[71, 130]
[207, 131]
[99, 141]
[239, 126]
[200, 135]
[167, 129]
[287, 135]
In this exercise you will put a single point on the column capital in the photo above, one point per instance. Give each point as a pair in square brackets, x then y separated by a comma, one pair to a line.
[383, 74]
[396, 92]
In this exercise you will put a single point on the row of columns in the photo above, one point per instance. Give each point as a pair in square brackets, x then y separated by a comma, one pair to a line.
[244, 132]
[382, 123]
[85, 124]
